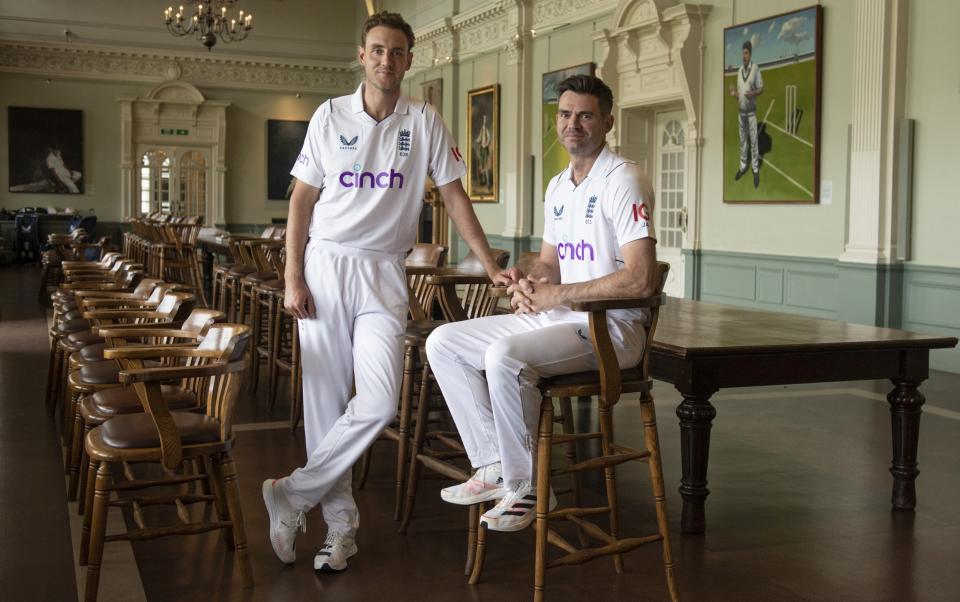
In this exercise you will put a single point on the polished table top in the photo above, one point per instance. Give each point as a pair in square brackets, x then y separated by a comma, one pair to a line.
[689, 328]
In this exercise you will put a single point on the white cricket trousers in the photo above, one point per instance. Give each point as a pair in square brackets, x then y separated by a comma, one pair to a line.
[356, 339]
[497, 414]
[748, 141]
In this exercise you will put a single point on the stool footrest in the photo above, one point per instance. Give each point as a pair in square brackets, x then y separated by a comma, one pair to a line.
[155, 532]
[587, 554]
[450, 442]
[568, 437]
[443, 468]
[600, 462]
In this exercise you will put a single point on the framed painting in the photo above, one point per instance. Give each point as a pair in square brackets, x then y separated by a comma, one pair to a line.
[46, 150]
[483, 137]
[554, 156]
[433, 93]
[771, 109]
[284, 142]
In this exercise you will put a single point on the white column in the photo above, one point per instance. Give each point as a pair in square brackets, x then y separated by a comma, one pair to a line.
[877, 86]
[517, 178]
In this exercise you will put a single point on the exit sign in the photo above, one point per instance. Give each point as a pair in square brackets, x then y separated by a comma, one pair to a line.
[174, 132]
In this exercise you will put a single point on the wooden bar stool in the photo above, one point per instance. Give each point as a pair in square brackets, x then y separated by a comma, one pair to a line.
[607, 384]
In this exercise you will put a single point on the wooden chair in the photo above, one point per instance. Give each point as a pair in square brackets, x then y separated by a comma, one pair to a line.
[470, 301]
[160, 436]
[108, 401]
[608, 383]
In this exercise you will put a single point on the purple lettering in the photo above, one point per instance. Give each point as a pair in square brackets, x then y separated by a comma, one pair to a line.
[396, 174]
[366, 175]
[344, 181]
[578, 252]
[380, 177]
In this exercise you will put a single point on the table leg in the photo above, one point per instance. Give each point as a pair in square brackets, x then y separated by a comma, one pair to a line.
[696, 415]
[905, 402]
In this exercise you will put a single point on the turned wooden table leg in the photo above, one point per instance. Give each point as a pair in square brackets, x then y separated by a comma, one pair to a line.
[696, 415]
[905, 402]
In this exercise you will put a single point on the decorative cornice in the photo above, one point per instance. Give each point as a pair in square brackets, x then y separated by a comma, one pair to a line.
[479, 14]
[547, 13]
[113, 64]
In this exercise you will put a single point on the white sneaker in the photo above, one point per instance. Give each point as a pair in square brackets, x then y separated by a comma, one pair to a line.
[332, 557]
[485, 484]
[285, 521]
[516, 510]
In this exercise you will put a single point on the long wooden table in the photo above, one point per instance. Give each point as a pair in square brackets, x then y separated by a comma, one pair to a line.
[704, 347]
[210, 246]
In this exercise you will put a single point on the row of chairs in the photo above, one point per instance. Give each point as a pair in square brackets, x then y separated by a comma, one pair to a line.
[145, 381]
[167, 248]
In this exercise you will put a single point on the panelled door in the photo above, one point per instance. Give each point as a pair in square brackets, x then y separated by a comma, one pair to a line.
[173, 179]
[669, 183]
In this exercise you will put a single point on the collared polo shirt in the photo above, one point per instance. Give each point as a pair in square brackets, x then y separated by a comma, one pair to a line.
[748, 79]
[372, 174]
[589, 222]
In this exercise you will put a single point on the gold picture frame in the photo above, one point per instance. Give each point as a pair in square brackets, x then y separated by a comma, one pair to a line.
[483, 144]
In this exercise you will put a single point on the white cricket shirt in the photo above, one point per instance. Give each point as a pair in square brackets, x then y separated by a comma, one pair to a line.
[372, 174]
[589, 222]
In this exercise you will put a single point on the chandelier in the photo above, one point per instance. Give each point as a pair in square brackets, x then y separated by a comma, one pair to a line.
[208, 21]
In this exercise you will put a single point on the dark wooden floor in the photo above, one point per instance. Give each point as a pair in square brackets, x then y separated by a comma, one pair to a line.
[799, 508]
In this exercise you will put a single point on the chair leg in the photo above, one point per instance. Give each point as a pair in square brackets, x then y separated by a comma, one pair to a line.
[53, 374]
[416, 447]
[73, 457]
[652, 441]
[85, 478]
[255, 337]
[276, 335]
[215, 479]
[481, 553]
[296, 382]
[236, 517]
[403, 429]
[473, 520]
[610, 480]
[88, 494]
[98, 528]
[569, 428]
[543, 496]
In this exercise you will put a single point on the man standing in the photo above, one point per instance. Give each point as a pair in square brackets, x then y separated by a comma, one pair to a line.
[353, 216]
[749, 86]
[598, 242]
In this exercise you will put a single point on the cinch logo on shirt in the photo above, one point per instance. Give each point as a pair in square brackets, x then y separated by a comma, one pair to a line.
[303, 159]
[640, 212]
[575, 252]
[368, 179]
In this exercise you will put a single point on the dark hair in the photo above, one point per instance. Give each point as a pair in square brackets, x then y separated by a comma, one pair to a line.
[588, 84]
[387, 19]
[748, 46]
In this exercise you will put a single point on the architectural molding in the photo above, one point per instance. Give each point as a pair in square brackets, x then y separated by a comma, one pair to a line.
[76, 61]
[548, 14]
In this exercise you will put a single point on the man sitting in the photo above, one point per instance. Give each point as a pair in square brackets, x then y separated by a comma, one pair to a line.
[598, 242]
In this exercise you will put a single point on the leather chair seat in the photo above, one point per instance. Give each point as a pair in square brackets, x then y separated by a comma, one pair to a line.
[273, 285]
[84, 338]
[100, 373]
[418, 330]
[93, 353]
[70, 326]
[62, 294]
[241, 271]
[137, 431]
[124, 400]
[256, 277]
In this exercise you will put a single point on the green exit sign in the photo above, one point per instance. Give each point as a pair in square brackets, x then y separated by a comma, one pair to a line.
[173, 132]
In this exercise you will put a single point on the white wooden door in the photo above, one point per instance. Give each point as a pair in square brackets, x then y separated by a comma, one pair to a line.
[174, 179]
[669, 183]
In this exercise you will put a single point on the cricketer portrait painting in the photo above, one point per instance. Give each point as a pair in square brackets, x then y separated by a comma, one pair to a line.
[771, 108]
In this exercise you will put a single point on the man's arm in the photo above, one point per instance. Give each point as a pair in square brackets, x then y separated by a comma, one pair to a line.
[461, 212]
[297, 298]
[636, 279]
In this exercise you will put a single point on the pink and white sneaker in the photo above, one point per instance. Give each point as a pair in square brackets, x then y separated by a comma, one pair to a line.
[485, 484]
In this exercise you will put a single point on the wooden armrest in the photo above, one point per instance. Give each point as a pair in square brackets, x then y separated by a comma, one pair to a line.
[106, 285]
[108, 297]
[420, 270]
[120, 314]
[176, 324]
[497, 291]
[458, 278]
[146, 375]
[144, 352]
[95, 303]
[140, 331]
[619, 303]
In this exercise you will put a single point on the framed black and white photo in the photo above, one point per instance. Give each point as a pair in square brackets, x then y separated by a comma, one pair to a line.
[46, 150]
[284, 142]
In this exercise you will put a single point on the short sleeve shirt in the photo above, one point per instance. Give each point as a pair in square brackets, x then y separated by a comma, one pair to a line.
[748, 79]
[589, 222]
[372, 174]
